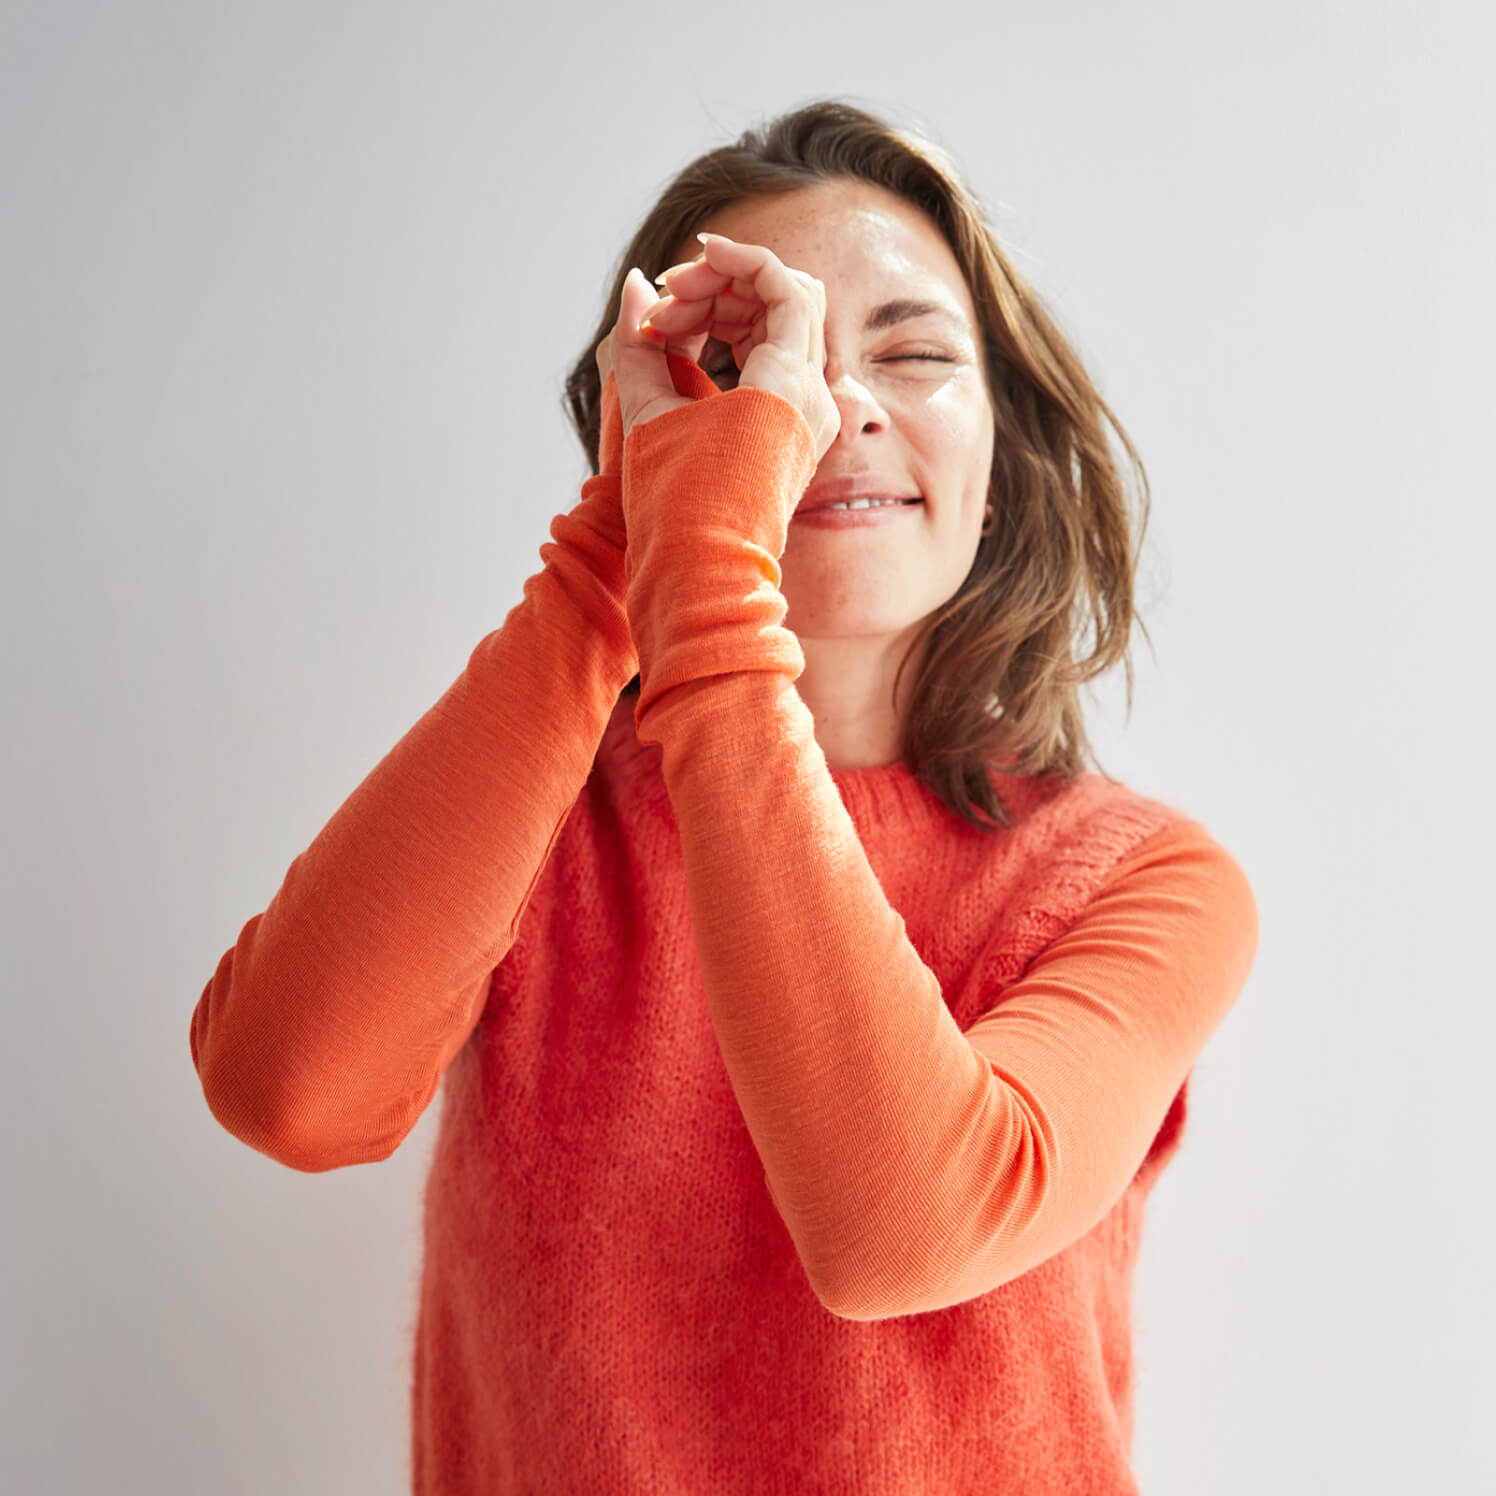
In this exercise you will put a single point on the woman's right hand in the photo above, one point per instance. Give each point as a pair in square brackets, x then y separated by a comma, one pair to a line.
[770, 314]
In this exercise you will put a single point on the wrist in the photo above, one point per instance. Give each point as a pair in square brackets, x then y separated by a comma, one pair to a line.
[610, 430]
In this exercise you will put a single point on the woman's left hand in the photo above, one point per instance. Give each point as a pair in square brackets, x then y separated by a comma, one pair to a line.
[743, 295]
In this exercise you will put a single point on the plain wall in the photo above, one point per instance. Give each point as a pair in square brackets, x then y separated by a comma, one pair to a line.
[287, 294]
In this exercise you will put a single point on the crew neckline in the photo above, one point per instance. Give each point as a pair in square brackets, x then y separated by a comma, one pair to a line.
[877, 796]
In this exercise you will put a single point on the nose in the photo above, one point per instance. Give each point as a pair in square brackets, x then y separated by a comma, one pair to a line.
[860, 409]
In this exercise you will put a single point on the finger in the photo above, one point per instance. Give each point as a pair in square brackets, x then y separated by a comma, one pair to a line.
[676, 268]
[792, 307]
[688, 325]
[683, 333]
[639, 361]
[669, 315]
[817, 290]
[692, 278]
[672, 315]
[745, 345]
[732, 332]
[672, 273]
[689, 347]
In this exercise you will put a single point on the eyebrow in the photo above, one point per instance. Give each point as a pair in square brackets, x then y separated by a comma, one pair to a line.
[891, 312]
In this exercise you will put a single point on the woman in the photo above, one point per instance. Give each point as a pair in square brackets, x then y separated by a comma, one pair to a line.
[811, 1039]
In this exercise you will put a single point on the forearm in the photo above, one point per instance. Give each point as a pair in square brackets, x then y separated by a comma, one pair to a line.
[325, 1030]
[863, 1099]
[914, 1164]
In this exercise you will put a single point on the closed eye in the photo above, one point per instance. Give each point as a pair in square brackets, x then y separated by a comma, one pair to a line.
[893, 358]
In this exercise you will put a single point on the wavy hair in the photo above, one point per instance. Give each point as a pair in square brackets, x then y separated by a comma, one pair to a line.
[1048, 603]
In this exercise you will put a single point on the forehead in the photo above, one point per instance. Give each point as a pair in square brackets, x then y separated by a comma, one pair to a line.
[865, 243]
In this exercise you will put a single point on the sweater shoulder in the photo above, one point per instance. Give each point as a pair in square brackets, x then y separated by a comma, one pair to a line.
[1066, 841]
[1084, 827]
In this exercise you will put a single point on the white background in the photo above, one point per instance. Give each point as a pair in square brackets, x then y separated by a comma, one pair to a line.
[287, 293]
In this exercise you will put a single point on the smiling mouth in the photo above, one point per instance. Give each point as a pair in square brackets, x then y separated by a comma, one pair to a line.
[863, 504]
[854, 515]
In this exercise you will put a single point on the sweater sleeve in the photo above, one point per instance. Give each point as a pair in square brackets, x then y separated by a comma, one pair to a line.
[1092, 1044]
[324, 1031]
[915, 1166]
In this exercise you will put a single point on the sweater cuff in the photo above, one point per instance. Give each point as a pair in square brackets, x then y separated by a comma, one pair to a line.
[708, 492]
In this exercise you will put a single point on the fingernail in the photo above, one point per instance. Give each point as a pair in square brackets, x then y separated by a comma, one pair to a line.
[684, 265]
[706, 238]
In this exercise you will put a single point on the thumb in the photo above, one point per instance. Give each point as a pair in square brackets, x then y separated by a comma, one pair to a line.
[641, 366]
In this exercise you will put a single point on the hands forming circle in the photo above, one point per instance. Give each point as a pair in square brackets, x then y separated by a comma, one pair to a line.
[741, 294]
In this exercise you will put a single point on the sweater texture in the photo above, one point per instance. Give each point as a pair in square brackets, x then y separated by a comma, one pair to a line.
[794, 1134]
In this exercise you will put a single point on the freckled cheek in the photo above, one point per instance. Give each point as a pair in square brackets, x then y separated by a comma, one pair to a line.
[953, 435]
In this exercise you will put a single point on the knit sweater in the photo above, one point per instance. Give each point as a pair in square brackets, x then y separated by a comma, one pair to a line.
[795, 1135]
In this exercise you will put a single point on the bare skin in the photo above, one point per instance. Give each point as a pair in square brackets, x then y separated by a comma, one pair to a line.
[784, 300]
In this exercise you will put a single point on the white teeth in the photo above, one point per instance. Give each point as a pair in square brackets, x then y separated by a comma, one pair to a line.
[864, 503]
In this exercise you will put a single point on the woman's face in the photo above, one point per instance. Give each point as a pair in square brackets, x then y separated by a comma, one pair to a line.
[910, 383]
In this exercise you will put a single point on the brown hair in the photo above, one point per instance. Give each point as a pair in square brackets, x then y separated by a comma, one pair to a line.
[1048, 603]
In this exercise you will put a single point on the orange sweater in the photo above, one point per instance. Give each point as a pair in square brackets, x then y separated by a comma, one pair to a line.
[795, 1135]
